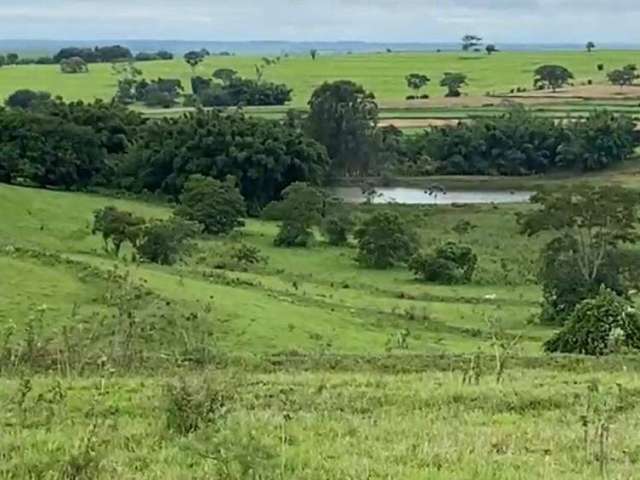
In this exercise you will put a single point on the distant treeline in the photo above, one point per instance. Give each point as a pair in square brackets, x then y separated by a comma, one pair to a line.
[107, 54]
[515, 143]
[224, 89]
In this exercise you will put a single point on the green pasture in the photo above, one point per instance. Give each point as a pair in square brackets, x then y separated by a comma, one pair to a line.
[303, 299]
[309, 382]
[383, 74]
[324, 424]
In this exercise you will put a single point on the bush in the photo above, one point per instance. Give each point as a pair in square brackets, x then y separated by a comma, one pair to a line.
[242, 91]
[300, 210]
[245, 255]
[450, 264]
[27, 99]
[217, 206]
[599, 326]
[74, 65]
[337, 228]
[292, 235]
[165, 242]
[190, 407]
[117, 227]
[384, 240]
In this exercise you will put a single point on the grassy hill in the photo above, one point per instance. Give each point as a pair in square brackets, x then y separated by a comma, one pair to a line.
[304, 376]
[302, 299]
[381, 73]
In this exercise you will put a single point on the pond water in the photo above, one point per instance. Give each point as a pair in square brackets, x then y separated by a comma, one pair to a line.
[417, 196]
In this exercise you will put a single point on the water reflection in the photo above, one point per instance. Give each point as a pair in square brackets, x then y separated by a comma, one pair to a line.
[430, 196]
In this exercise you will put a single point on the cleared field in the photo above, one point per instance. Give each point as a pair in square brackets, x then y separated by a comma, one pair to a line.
[381, 73]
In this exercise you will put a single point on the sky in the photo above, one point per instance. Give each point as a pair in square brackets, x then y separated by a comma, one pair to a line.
[512, 21]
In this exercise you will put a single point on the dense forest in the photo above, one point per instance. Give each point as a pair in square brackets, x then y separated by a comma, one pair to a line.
[50, 143]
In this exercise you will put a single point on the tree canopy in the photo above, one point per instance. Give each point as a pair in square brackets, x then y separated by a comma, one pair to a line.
[552, 76]
[384, 240]
[453, 82]
[491, 48]
[264, 156]
[343, 117]
[217, 206]
[417, 81]
[589, 225]
[194, 58]
[624, 76]
[470, 42]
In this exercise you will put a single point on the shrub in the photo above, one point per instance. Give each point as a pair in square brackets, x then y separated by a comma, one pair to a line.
[189, 407]
[384, 240]
[293, 234]
[245, 255]
[27, 99]
[599, 326]
[74, 65]
[450, 264]
[217, 206]
[164, 242]
[337, 228]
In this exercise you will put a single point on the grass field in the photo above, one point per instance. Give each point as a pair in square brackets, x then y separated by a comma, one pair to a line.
[307, 379]
[383, 74]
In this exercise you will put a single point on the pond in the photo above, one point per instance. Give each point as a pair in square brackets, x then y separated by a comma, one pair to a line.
[417, 196]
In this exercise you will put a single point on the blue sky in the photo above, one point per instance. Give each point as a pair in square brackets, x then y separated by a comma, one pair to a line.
[540, 21]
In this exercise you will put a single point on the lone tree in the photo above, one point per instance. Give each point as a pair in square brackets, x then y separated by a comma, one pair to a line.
[624, 76]
[299, 211]
[74, 65]
[193, 59]
[225, 75]
[453, 82]
[314, 53]
[491, 48]
[551, 76]
[417, 81]
[343, 117]
[590, 46]
[217, 206]
[470, 42]
[116, 228]
[385, 240]
[590, 224]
